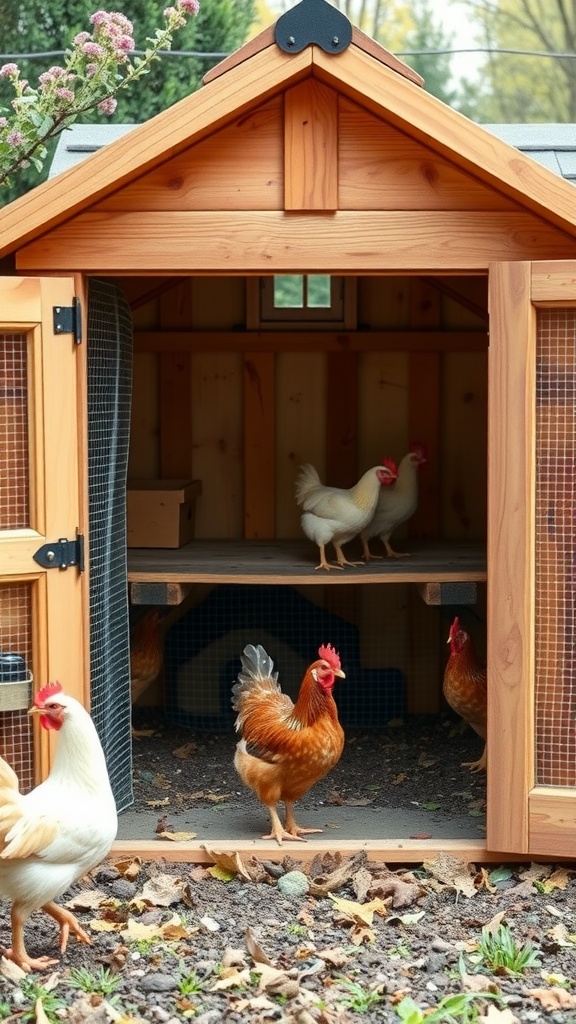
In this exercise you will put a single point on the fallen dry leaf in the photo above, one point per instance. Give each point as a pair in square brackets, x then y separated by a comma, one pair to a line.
[10, 970]
[163, 890]
[129, 869]
[40, 1013]
[186, 751]
[177, 837]
[231, 977]
[155, 804]
[495, 1016]
[453, 872]
[478, 983]
[255, 949]
[361, 912]
[402, 894]
[231, 862]
[553, 998]
[89, 899]
[494, 923]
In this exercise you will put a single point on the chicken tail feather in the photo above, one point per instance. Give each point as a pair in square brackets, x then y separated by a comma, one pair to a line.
[257, 668]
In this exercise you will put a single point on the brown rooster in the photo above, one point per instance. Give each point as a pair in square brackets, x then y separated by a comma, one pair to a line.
[285, 747]
[146, 652]
[465, 686]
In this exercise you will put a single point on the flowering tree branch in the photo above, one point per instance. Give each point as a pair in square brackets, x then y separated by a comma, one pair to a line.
[95, 69]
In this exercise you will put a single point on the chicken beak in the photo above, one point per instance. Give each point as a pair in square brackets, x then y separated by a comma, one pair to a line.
[34, 710]
[338, 672]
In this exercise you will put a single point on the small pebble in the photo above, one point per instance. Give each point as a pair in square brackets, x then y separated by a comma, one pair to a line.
[293, 883]
[122, 889]
[157, 983]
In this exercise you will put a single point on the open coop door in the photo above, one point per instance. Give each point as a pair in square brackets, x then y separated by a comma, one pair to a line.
[532, 559]
[42, 634]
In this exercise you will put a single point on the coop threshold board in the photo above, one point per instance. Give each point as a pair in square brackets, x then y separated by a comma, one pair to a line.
[294, 562]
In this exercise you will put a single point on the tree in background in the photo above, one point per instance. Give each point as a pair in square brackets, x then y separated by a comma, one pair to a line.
[28, 27]
[526, 88]
[408, 28]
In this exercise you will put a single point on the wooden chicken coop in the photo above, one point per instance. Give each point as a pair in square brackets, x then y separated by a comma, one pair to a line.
[146, 334]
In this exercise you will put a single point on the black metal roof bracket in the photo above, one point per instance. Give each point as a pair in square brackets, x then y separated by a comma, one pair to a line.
[313, 21]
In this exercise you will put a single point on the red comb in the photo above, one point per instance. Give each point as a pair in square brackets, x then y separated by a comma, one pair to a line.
[390, 464]
[454, 627]
[328, 653]
[46, 692]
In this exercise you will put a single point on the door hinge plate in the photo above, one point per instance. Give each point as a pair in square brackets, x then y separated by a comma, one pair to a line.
[60, 554]
[68, 319]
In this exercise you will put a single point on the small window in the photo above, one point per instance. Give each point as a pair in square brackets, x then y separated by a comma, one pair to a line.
[285, 299]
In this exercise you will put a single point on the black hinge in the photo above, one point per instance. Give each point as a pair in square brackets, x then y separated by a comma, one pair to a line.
[68, 319]
[61, 553]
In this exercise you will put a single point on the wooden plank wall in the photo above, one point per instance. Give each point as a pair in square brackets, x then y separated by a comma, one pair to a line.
[243, 421]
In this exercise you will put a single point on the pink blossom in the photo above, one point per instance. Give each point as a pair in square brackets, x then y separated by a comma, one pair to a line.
[15, 138]
[125, 44]
[65, 94]
[82, 37]
[52, 75]
[92, 49]
[98, 17]
[9, 71]
[108, 105]
[91, 70]
[188, 6]
[169, 12]
[3, 122]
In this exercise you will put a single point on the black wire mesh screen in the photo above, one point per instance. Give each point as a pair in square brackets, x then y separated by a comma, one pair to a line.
[109, 396]
[555, 696]
[202, 650]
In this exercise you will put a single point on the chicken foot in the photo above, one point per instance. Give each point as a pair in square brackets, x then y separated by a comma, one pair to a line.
[476, 766]
[67, 923]
[324, 563]
[342, 560]
[18, 953]
[290, 830]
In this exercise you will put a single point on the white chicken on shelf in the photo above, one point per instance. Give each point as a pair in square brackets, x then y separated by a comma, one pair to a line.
[395, 504]
[336, 515]
[59, 831]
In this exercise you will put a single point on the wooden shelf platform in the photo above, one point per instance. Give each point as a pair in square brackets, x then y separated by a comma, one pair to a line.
[291, 562]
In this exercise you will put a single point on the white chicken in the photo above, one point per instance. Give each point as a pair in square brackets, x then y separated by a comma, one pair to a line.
[396, 504]
[336, 514]
[59, 831]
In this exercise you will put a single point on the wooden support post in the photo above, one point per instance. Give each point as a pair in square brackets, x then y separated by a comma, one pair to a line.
[259, 446]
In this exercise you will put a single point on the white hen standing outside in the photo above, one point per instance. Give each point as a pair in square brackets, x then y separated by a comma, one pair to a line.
[59, 831]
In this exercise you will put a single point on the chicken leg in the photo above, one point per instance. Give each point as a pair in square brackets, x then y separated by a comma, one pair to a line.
[290, 830]
[18, 953]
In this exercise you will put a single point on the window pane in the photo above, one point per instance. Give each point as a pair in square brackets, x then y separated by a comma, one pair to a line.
[319, 291]
[15, 689]
[555, 697]
[288, 291]
[14, 486]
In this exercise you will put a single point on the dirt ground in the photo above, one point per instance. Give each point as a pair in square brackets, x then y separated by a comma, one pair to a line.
[341, 941]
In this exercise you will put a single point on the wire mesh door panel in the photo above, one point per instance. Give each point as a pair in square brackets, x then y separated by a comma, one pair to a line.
[555, 611]
[41, 608]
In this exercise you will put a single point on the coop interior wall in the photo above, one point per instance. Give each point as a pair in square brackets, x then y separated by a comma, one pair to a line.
[388, 392]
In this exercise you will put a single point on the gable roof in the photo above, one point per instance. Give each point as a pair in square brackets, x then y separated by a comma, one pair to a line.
[552, 145]
[363, 72]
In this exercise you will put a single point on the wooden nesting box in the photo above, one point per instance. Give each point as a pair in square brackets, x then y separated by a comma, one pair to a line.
[454, 256]
[161, 513]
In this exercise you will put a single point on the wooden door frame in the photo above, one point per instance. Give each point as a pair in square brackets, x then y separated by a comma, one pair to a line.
[522, 817]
